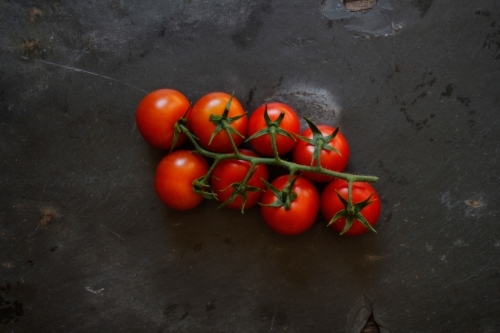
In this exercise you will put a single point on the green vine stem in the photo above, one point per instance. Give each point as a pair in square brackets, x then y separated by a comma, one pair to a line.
[202, 185]
[272, 161]
[293, 168]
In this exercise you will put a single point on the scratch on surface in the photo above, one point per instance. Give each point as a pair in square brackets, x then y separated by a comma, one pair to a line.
[476, 274]
[472, 276]
[97, 292]
[446, 199]
[91, 73]
[34, 231]
[373, 257]
[275, 310]
[117, 235]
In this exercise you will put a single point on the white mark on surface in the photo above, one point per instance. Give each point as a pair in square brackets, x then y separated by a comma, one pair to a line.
[475, 203]
[117, 235]
[91, 73]
[472, 275]
[446, 199]
[460, 243]
[475, 207]
[317, 104]
[374, 257]
[429, 247]
[97, 292]
[34, 231]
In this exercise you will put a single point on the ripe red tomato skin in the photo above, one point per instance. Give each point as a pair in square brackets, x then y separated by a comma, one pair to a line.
[202, 127]
[174, 178]
[156, 115]
[303, 210]
[290, 123]
[303, 152]
[331, 204]
[232, 171]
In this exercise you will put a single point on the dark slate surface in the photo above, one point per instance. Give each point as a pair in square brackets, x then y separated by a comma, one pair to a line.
[86, 246]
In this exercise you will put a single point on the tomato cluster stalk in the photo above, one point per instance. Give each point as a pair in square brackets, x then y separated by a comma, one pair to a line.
[201, 186]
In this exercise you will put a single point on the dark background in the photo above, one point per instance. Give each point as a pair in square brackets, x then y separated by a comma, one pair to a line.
[86, 246]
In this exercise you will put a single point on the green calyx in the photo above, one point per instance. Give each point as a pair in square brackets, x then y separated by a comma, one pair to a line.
[284, 197]
[319, 141]
[177, 127]
[351, 212]
[223, 122]
[201, 187]
[272, 127]
[241, 189]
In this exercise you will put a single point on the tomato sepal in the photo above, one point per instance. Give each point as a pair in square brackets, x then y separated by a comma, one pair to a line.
[239, 189]
[283, 198]
[201, 187]
[270, 124]
[352, 212]
[182, 122]
[222, 122]
[319, 141]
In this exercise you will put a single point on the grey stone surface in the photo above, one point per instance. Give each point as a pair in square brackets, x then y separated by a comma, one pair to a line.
[86, 246]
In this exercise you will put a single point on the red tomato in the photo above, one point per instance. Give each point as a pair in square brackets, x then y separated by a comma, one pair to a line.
[331, 160]
[201, 126]
[331, 205]
[303, 209]
[290, 123]
[231, 171]
[174, 179]
[156, 115]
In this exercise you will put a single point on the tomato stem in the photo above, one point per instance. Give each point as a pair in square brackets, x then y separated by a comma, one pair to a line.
[350, 207]
[272, 132]
[277, 162]
[287, 196]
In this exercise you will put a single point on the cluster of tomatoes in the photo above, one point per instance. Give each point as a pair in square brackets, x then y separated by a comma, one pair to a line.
[217, 125]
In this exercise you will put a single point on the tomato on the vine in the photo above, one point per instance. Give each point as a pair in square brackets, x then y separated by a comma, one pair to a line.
[303, 210]
[157, 114]
[232, 171]
[290, 123]
[335, 160]
[214, 104]
[174, 179]
[365, 199]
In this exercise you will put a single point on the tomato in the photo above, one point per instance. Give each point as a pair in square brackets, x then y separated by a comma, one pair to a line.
[156, 115]
[331, 205]
[174, 179]
[303, 209]
[331, 160]
[290, 123]
[201, 126]
[228, 172]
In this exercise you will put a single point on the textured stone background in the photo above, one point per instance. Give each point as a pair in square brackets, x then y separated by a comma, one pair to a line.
[86, 246]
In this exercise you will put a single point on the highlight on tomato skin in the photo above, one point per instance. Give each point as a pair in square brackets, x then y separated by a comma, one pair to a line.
[157, 114]
[174, 179]
[214, 104]
[330, 160]
[331, 205]
[290, 123]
